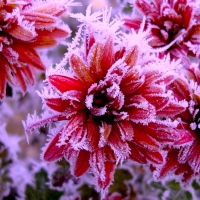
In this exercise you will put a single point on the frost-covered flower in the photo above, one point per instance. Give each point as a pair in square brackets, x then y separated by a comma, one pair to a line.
[174, 24]
[184, 159]
[26, 26]
[107, 106]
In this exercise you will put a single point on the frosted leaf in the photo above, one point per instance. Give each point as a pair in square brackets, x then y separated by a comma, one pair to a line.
[34, 122]
[48, 93]
[137, 39]
[100, 23]
[56, 71]
[88, 18]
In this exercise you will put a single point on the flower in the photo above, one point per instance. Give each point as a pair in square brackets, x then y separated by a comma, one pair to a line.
[25, 27]
[184, 159]
[110, 105]
[174, 26]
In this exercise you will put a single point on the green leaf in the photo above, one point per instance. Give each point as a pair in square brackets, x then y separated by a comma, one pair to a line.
[87, 192]
[119, 185]
[41, 191]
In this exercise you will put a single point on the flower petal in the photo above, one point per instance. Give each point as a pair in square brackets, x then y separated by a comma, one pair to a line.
[94, 59]
[108, 55]
[126, 130]
[65, 83]
[57, 104]
[81, 70]
[142, 139]
[53, 152]
[119, 146]
[93, 135]
[81, 164]
[28, 55]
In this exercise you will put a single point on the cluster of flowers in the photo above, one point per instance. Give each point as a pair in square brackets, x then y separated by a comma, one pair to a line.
[127, 89]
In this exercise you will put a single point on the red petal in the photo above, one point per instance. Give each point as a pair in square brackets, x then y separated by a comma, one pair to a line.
[109, 168]
[126, 130]
[43, 42]
[172, 109]
[65, 83]
[81, 70]
[52, 9]
[160, 132]
[157, 100]
[53, 152]
[178, 3]
[109, 154]
[108, 55]
[20, 79]
[21, 33]
[133, 23]
[142, 111]
[144, 7]
[89, 40]
[69, 153]
[41, 20]
[28, 55]
[28, 74]
[119, 146]
[94, 60]
[55, 33]
[143, 140]
[57, 104]
[187, 16]
[154, 156]
[137, 154]
[81, 163]
[171, 163]
[131, 56]
[131, 82]
[93, 135]
[185, 137]
[77, 138]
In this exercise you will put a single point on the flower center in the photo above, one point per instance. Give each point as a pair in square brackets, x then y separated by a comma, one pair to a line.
[104, 101]
[100, 99]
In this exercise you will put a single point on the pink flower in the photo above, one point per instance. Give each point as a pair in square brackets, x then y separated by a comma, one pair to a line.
[173, 24]
[25, 27]
[109, 107]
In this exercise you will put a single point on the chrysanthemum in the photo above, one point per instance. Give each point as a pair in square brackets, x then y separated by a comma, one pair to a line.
[185, 159]
[107, 107]
[25, 27]
[174, 24]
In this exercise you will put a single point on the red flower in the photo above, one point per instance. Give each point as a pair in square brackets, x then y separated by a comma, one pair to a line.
[115, 109]
[25, 27]
[184, 159]
[174, 24]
